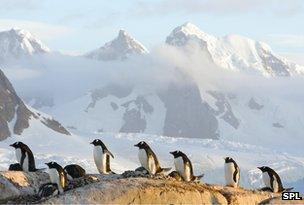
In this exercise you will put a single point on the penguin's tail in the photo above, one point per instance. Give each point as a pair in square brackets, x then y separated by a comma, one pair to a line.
[111, 172]
[199, 177]
[162, 170]
[287, 189]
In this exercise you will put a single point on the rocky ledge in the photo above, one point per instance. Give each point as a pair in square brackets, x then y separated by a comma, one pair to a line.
[22, 187]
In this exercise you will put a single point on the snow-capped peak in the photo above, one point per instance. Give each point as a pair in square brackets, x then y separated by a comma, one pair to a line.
[16, 43]
[119, 48]
[235, 52]
[181, 35]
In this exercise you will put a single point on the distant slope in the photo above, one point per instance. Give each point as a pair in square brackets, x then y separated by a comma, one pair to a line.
[15, 116]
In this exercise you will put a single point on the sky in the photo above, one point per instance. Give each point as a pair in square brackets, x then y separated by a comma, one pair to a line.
[78, 26]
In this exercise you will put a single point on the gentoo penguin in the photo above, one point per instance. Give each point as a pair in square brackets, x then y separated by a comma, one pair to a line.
[102, 157]
[57, 175]
[74, 171]
[48, 189]
[272, 180]
[148, 159]
[15, 167]
[232, 172]
[184, 167]
[24, 157]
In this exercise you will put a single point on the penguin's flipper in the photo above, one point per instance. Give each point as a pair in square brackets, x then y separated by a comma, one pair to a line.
[109, 153]
[166, 169]
[197, 178]
[287, 189]
[22, 160]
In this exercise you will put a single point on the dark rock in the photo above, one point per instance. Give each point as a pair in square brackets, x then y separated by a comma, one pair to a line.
[114, 106]
[252, 104]
[187, 115]
[277, 125]
[224, 109]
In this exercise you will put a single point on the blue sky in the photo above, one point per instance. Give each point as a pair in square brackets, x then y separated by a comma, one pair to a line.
[77, 26]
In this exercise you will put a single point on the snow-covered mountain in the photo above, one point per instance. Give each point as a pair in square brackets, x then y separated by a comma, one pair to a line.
[174, 111]
[162, 94]
[118, 49]
[16, 116]
[18, 43]
[234, 52]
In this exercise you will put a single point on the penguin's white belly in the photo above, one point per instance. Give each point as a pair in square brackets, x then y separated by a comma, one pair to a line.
[275, 184]
[55, 178]
[25, 165]
[229, 171]
[266, 180]
[100, 159]
[18, 155]
[143, 158]
[184, 171]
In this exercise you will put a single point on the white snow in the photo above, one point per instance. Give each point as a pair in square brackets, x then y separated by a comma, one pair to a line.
[233, 52]
[18, 43]
[118, 49]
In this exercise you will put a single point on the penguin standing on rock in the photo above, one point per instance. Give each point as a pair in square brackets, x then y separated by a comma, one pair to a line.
[184, 167]
[272, 180]
[57, 175]
[102, 157]
[24, 157]
[232, 172]
[148, 159]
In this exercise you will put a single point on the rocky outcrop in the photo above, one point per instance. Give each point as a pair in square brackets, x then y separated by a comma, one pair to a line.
[224, 110]
[15, 115]
[187, 115]
[16, 185]
[21, 187]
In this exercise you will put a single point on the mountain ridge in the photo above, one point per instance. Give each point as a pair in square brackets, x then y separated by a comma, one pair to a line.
[18, 43]
[235, 52]
[118, 49]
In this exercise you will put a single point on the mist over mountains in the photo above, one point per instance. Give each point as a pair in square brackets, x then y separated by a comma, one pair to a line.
[193, 85]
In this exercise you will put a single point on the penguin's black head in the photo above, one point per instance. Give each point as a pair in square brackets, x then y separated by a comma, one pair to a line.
[141, 145]
[97, 142]
[228, 159]
[17, 145]
[52, 165]
[176, 153]
[263, 168]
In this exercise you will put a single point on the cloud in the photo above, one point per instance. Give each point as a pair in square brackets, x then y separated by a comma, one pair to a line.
[286, 40]
[41, 30]
[8, 5]
[281, 7]
[295, 57]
